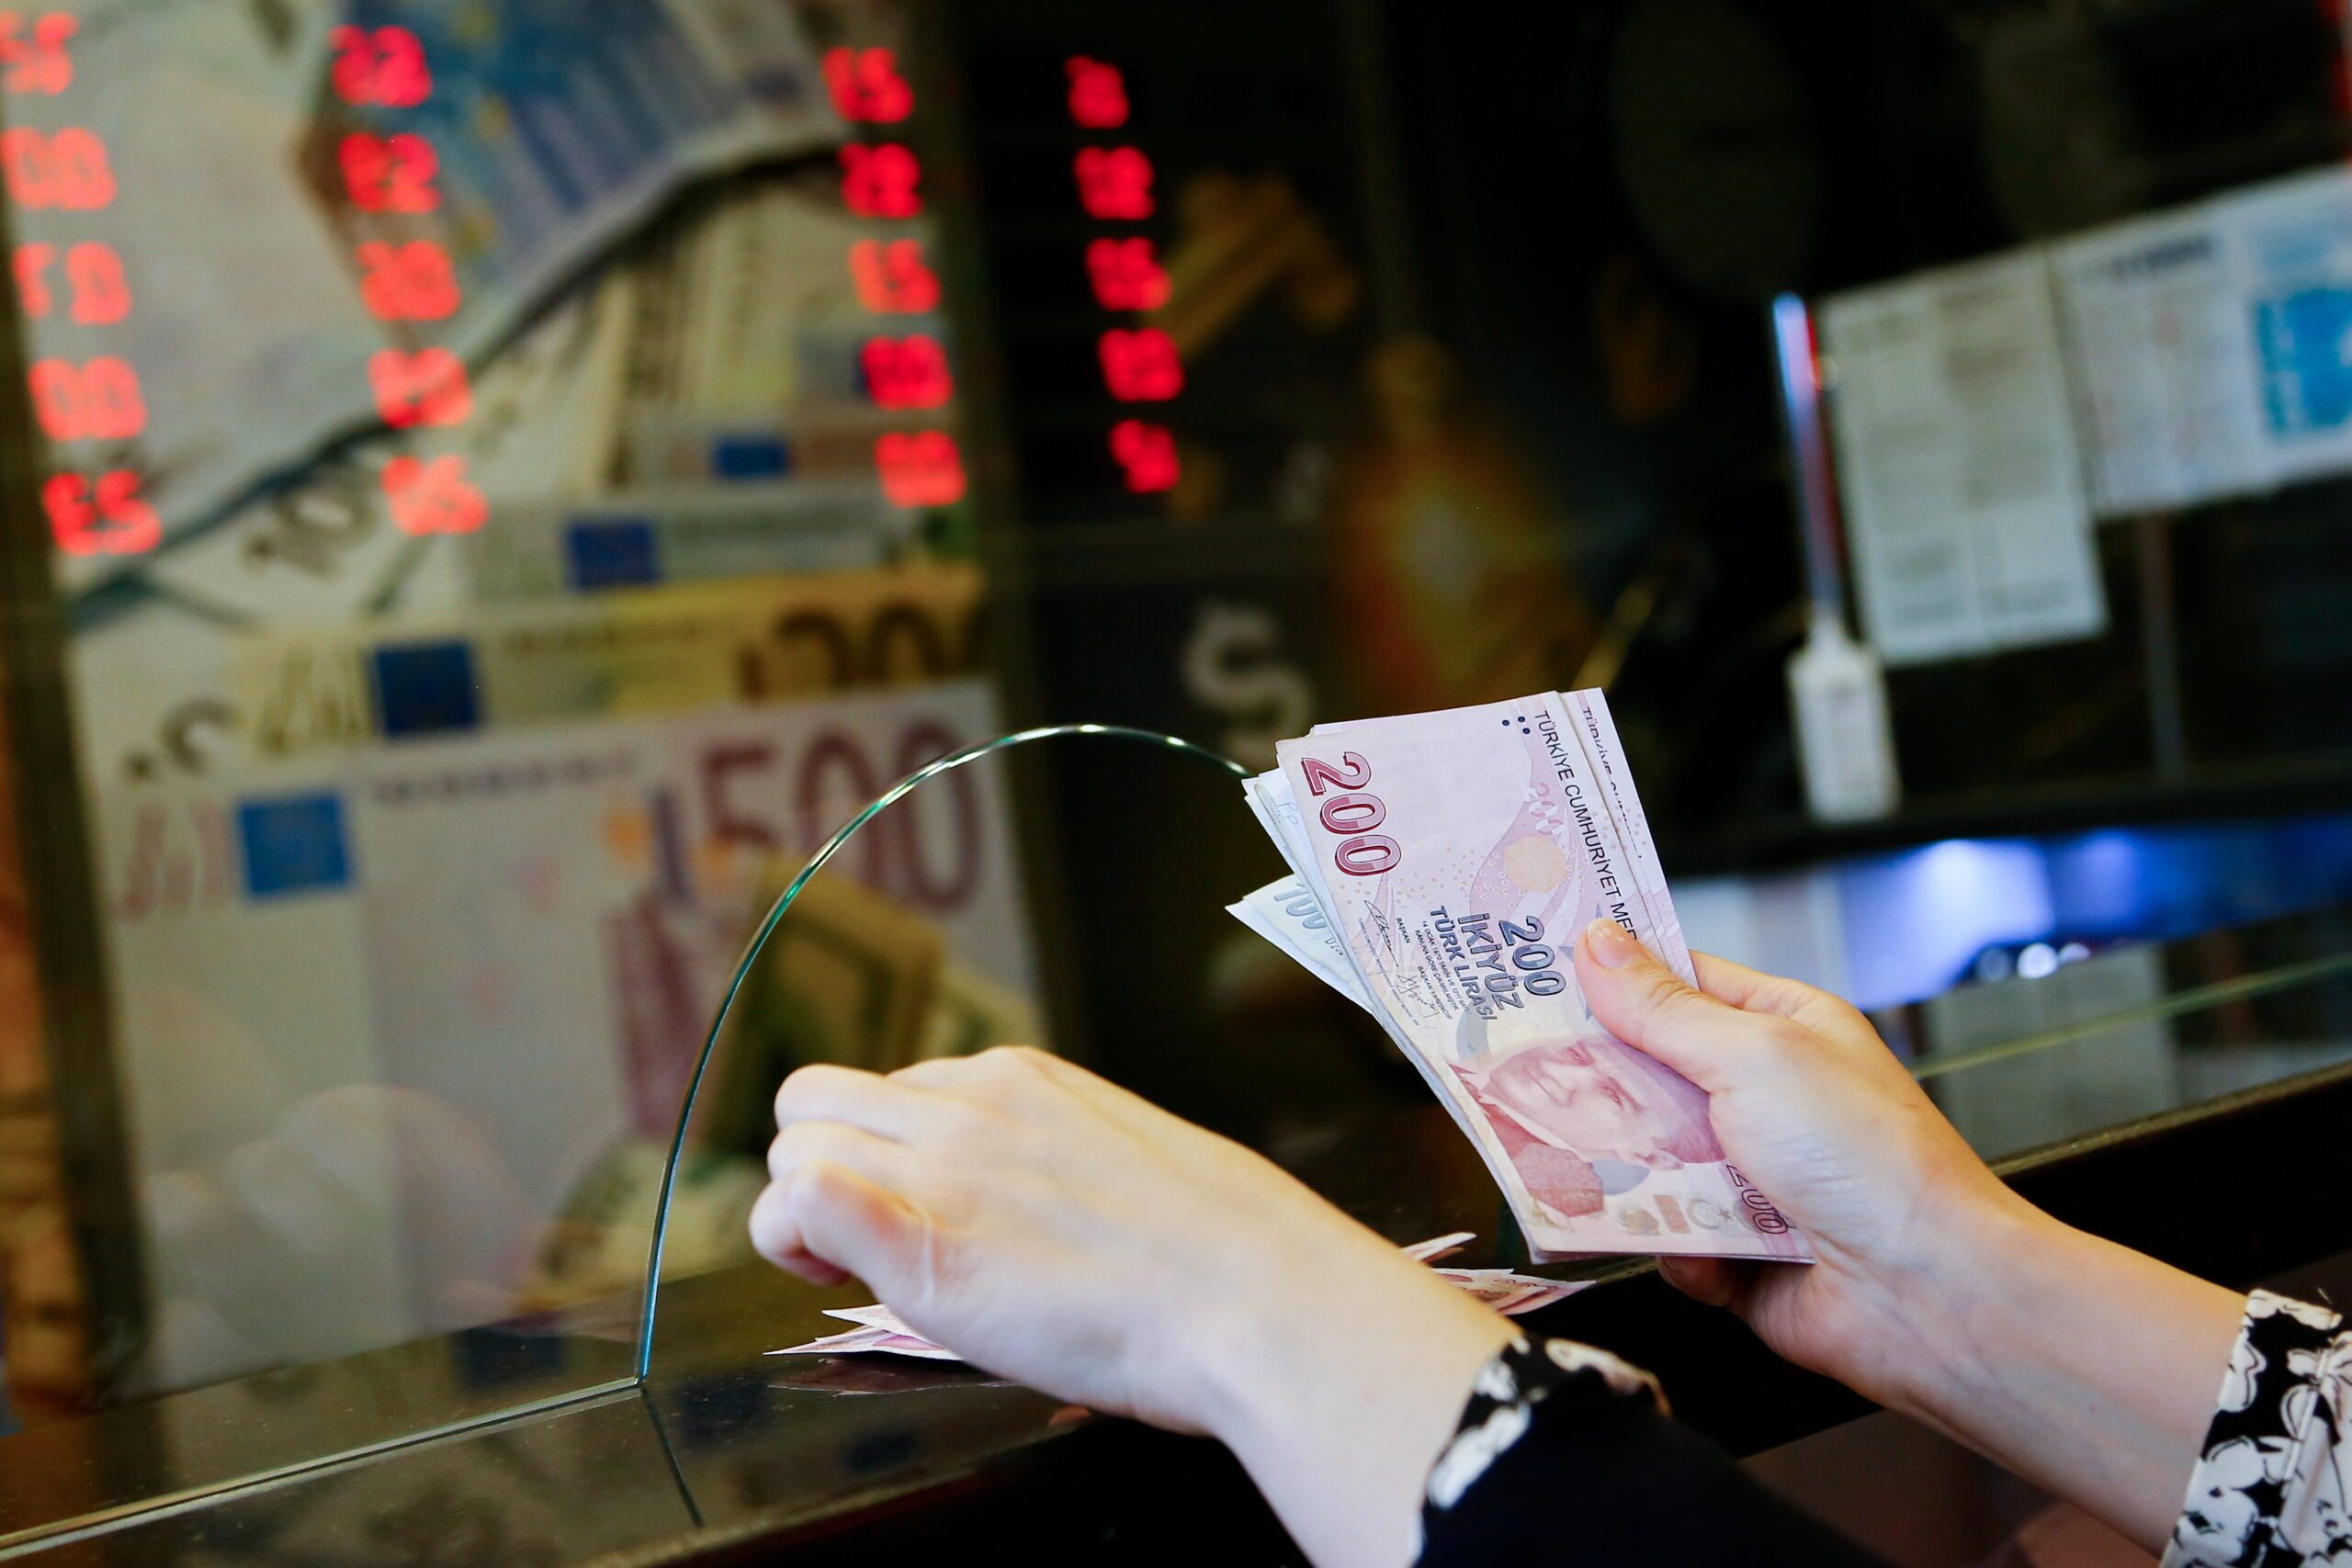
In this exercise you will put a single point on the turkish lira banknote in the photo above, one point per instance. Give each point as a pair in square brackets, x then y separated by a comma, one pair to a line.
[1444, 866]
[877, 1328]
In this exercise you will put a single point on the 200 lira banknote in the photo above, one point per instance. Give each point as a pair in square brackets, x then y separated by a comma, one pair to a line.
[1450, 860]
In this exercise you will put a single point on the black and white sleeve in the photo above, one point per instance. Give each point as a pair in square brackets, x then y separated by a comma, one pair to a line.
[1566, 1454]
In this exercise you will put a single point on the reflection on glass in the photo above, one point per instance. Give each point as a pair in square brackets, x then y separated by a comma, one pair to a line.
[500, 502]
[858, 969]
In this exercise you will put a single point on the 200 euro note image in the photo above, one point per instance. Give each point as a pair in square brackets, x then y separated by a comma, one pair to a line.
[1458, 855]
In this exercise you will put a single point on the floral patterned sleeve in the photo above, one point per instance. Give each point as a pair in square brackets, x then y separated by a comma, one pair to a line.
[1566, 1454]
[2273, 1485]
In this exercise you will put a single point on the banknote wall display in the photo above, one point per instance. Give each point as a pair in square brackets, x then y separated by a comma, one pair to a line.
[430, 990]
[503, 468]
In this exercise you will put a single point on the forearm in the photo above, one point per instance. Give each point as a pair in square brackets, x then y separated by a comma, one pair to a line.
[2084, 1367]
[1339, 1403]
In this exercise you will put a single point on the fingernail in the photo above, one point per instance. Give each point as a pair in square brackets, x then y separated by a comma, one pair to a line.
[1611, 946]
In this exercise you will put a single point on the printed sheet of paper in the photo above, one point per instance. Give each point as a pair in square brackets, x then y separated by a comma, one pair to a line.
[1961, 476]
[2291, 247]
[2164, 363]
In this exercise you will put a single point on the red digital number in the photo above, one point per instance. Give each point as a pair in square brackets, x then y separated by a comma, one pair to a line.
[32, 283]
[882, 181]
[382, 66]
[1115, 183]
[431, 496]
[67, 169]
[93, 274]
[1147, 455]
[866, 87]
[1127, 275]
[109, 520]
[38, 64]
[412, 282]
[1098, 95]
[101, 293]
[892, 277]
[94, 401]
[905, 372]
[1141, 365]
[920, 468]
[420, 387]
[390, 174]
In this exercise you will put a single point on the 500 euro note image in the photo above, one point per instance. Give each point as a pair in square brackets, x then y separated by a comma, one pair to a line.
[1448, 861]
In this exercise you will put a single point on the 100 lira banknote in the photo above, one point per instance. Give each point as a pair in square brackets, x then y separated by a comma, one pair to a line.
[1444, 865]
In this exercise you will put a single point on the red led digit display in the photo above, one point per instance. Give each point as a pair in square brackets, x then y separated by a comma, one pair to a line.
[866, 87]
[920, 468]
[412, 282]
[1147, 454]
[66, 169]
[1115, 183]
[1098, 95]
[379, 66]
[420, 387]
[893, 279]
[1126, 275]
[94, 282]
[905, 372]
[36, 62]
[94, 277]
[98, 401]
[406, 281]
[109, 519]
[1141, 365]
[390, 174]
[882, 181]
[93, 399]
[32, 283]
[431, 496]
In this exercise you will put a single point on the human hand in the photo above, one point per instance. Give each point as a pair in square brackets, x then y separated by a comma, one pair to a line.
[1810, 1106]
[1055, 1228]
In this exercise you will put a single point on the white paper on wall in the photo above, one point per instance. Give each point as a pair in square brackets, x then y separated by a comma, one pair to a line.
[1956, 451]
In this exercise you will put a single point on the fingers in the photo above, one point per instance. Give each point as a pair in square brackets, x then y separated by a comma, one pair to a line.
[1713, 1281]
[1752, 990]
[897, 1108]
[894, 1165]
[1000, 1075]
[825, 1222]
[1643, 1002]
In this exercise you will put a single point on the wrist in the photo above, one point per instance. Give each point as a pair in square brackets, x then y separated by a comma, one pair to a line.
[1328, 1333]
[1955, 1315]
[1337, 1386]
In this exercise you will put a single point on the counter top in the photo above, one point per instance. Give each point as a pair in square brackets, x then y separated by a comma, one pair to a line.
[725, 1452]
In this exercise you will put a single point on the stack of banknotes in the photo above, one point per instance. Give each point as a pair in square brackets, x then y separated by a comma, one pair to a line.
[881, 1331]
[1444, 866]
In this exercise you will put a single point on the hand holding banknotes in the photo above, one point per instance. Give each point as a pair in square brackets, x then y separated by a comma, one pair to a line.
[1813, 1107]
[1482, 883]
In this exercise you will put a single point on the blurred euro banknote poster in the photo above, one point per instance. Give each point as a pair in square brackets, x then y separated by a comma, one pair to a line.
[525, 935]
